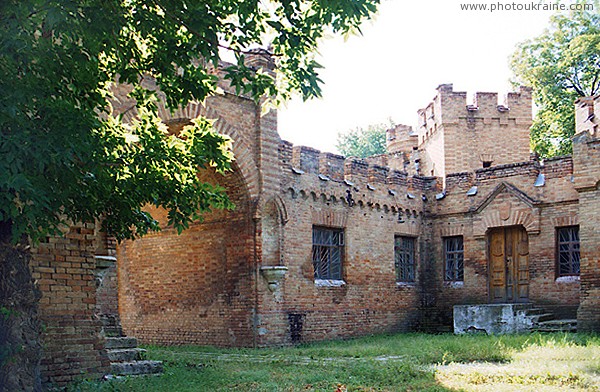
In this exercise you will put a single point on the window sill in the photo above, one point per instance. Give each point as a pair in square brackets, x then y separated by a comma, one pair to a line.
[329, 283]
[406, 284]
[455, 284]
[568, 279]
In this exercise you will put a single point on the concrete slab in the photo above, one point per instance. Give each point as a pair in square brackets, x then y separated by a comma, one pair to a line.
[491, 319]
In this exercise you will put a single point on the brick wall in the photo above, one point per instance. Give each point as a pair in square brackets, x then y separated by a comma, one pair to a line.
[506, 197]
[193, 288]
[205, 286]
[369, 300]
[586, 162]
[63, 268]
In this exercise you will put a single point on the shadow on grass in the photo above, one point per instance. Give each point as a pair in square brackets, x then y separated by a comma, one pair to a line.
[182, 376]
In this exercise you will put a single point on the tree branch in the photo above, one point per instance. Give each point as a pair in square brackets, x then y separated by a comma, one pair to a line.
[595, 85]
[575, 87]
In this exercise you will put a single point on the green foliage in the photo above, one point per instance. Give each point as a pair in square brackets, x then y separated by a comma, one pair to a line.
[561, 65]
[66, 157]
[364, 142]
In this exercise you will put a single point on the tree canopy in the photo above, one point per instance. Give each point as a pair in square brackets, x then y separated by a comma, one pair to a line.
[66, 156]
[560, 65]
[364, 142]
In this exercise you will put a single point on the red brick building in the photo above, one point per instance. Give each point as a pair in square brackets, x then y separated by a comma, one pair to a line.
[457, 212]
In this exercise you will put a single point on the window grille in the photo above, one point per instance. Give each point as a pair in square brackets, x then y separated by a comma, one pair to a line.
[567, 250]
[454, 256]
[328, 253]
[404, 252]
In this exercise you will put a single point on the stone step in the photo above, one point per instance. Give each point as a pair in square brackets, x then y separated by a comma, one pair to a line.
[538, 318]
[126, 354]
[120, 342]
[113, 332]
[535, 311]
[568, 325]
[136, 368]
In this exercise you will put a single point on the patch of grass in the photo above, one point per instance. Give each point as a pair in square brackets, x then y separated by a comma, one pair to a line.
[553, 362]
[569, 380]
[251, 376]
[400, 362]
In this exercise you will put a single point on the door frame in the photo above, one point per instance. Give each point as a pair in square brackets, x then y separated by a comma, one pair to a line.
[518, 233]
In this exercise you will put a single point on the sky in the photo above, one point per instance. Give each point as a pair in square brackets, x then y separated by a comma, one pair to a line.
[404, 53]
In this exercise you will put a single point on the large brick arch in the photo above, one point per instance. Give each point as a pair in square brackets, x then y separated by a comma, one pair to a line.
[241, 150]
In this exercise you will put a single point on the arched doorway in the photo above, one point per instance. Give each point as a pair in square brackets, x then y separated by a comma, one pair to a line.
[508, 257]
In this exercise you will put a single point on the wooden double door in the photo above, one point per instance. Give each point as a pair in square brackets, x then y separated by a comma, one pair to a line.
[508, 265]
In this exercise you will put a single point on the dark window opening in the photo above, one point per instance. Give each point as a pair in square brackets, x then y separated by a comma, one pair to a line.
[454, 259]
[404, 255]
[328, 253]
[567, 252]
[487, 164]
[296, 322]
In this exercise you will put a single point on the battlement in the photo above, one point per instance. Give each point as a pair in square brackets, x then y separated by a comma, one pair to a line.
[332, 167]
[401, 138]
[260, 58]
[587, 115]
[553, 168]
[448, 106]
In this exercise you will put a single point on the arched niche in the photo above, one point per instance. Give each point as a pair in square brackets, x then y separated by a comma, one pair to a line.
[274, 217]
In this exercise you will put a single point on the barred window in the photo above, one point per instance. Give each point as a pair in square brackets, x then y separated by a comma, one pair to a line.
[567, 244]
[454, 256]
[404, 254]
[328, 252]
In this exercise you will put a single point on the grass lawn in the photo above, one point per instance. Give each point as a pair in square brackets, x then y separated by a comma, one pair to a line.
[401, 362]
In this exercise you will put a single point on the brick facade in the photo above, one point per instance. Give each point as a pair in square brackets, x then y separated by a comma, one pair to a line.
[289, 190]
[207, 285]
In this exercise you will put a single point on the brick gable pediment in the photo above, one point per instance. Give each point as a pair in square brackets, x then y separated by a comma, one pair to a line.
[506, 205]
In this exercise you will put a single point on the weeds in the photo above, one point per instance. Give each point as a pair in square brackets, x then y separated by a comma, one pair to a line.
[401, 362]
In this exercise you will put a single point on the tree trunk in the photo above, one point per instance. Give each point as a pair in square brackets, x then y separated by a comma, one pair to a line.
[20, 347]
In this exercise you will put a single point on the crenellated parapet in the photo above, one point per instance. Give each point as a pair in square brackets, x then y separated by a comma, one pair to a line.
[558, 167]
[545, 182]
[361, 182]
[456, 135]
[401, 139]
[530, 168]
[308, 160]
[450, 106]
[460, 181]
